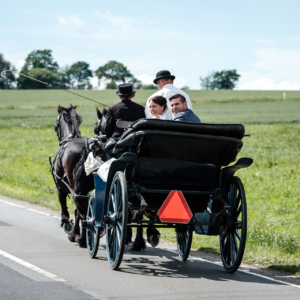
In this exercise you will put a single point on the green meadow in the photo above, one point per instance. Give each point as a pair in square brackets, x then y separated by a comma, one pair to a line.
[271, 183]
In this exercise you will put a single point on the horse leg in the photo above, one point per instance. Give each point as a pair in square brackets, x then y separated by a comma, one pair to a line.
[76, 232]
[82, 206]
[128, 235]
[139, 242]
[153, 236]
[62, 197]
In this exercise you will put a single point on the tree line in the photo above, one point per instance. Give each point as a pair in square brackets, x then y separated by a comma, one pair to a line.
[40, 64]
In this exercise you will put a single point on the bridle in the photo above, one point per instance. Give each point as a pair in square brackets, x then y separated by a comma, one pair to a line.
[57, 129]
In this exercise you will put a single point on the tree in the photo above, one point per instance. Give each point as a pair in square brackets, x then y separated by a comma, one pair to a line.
[111, 85]
[149, 87]
[79, 74]
[185, 87]
[223, 80]
[207, 82]
[114, 71]
[8, 82]
[45, 66]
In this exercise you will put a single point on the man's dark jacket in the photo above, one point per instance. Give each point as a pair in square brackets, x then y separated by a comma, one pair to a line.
[126, 110]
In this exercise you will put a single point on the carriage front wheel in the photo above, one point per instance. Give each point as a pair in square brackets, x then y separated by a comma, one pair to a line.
[233, 233]
[117, 215]
[93, 232]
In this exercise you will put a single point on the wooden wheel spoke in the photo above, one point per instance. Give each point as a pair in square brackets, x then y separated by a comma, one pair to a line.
[223, 238]
[236, 247]
[116, 245]
[233, 251]
[237, 213]
[228, 249]
[111, 237]
[237, 234]
[113, 202]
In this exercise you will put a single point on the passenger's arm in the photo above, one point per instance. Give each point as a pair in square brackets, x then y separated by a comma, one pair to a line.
[110, 124]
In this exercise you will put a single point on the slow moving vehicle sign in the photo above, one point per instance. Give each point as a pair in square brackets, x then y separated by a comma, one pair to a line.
[175, 209]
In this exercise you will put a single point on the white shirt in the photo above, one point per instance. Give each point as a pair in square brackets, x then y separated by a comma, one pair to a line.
[167, 91]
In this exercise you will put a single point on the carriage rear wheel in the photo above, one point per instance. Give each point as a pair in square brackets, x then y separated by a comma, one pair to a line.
[233, 234]
[92, 232]
[117, 215]
[184, 237]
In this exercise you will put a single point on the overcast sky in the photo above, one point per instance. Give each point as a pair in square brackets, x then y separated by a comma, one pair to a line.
[261, 39]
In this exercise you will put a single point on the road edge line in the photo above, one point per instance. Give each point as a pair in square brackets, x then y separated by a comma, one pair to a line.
[31, 267]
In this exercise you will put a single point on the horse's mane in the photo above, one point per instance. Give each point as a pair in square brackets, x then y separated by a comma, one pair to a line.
[74, 118]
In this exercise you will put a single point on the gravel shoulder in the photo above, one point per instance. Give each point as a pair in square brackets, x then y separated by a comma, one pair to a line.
[278, 275]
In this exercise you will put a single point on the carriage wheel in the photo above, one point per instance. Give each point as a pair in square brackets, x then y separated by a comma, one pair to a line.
[233, 235]
[117, 214]
[184, 237]
[92, 232]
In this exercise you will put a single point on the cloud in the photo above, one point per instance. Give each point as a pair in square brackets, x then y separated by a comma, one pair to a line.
[270, 84]
[72, 21]
[145, 78]
[126, 24]
[282, 63]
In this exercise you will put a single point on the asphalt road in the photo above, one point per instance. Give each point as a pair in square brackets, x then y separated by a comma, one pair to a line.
[38, 262]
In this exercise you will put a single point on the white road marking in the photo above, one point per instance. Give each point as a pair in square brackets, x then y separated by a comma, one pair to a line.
[11, 204]
[30, 266]
[172, 251]
[240, 270]
[39, 212]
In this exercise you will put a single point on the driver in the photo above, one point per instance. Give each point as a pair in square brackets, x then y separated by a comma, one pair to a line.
[125, 110]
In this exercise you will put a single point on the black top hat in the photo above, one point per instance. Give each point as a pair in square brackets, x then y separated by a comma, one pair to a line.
[125, 89]
[163, 74]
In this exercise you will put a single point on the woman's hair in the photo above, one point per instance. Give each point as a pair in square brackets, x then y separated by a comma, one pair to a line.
[127, 97]
[160, 100]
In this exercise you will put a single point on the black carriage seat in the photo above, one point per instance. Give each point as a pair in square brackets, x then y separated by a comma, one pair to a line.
[227, 130]
[181, 152]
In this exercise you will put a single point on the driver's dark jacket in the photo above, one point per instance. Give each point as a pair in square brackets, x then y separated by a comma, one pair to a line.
[125, 110]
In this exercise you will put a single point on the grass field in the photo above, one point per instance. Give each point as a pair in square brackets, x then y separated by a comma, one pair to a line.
[272, 183]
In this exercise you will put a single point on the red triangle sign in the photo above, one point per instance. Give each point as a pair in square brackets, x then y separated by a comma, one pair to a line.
[175, 209]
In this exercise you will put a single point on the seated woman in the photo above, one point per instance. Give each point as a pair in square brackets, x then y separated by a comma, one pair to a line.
[159, 108]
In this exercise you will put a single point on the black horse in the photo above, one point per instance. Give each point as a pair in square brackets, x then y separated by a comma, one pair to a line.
[68, 169]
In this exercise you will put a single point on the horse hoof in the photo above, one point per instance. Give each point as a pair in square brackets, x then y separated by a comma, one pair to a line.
[71, 238]
[153, 240]
[138, 246]
[81, 242]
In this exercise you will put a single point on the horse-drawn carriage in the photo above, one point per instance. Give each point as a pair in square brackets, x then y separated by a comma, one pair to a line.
[172, 175]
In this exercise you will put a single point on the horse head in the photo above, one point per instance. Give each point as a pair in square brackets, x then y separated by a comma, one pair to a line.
[67, 123]
[99, 127]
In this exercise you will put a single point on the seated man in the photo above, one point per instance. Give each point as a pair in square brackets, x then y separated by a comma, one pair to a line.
[180, 110]
[125, 110]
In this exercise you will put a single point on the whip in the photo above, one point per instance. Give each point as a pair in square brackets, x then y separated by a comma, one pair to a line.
[56, 87]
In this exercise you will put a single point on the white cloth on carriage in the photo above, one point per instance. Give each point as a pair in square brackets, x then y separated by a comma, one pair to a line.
[167, 91]
[104, 169]
[92, 163]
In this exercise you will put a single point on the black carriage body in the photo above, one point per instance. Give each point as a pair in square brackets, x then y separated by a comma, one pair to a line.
[158, 156]
[179, 156]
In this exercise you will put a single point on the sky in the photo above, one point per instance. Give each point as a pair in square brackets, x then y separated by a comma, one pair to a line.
[260, 39]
